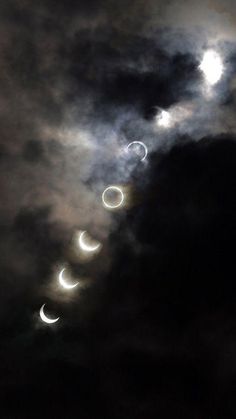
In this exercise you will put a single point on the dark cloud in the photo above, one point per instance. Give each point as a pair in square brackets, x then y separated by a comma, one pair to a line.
[33, 151]
[169, 307]
[156, 87]
[157, 338]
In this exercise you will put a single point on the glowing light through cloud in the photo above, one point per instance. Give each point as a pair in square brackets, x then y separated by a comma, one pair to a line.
[45, 318]
[63, 282]
[88, 246]
[163, 119]
[108, 197]
[212, 66]
[139, 148]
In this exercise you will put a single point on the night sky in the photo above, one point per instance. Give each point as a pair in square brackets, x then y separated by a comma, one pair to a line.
[149, 330]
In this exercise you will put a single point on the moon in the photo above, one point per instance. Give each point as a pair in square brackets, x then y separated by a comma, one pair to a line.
[63, 282]
[163, 119]
[140, 143]
[46, 319]
[108, 204]
[212, 67]
[86, 247]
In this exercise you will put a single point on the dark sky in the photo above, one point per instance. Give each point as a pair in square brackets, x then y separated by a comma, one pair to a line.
[151, 330]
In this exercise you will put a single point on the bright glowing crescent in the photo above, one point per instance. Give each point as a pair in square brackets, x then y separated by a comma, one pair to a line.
[64, 283]
[44, 318]
[143, 145]
[85, 246]
[113, 188]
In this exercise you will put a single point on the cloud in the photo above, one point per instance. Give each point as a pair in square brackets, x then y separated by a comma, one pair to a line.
[150, 333]
[80, 76]
[169, 295]
[156, 327]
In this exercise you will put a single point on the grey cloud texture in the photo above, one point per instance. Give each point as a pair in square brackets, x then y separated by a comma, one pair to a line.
[75, 85]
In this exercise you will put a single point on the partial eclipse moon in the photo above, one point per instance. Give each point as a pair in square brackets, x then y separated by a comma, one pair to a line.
[139, 145]
[85, 246]
[63, 282]
[46, 319]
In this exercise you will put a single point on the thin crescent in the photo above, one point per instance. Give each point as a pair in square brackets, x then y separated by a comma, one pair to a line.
[46, 319]
[64, 283]
[143, 145]
[85, 246]
[114, 188]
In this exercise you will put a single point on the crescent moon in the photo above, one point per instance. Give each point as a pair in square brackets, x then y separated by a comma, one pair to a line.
[84, 246]
[46, 319]
[64, 283]
[142, 145]
[116, 189]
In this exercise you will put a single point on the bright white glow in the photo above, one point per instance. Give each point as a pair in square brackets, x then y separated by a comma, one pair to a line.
[163, 119]
[63, 282]
[109, 204]
[46, 319]
[137, 145]
[212, 66]
[85, 246]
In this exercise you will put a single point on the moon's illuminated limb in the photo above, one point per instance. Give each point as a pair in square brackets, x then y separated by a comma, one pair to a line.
[64, 283]
[163, 119]
[145, 150]
[86, 247]
[212, 66]
[110, 204]
[46, 319]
